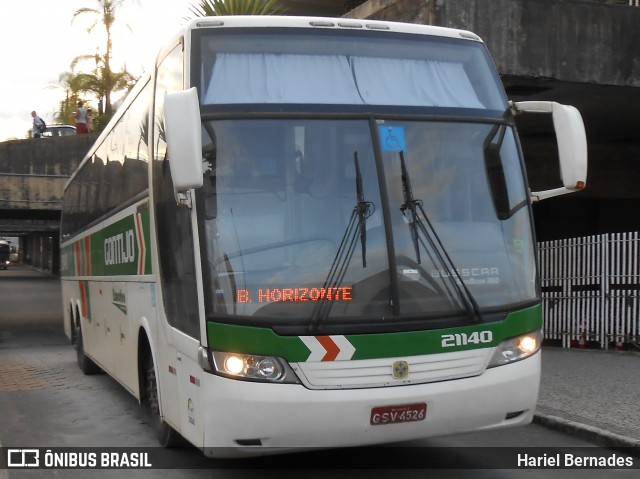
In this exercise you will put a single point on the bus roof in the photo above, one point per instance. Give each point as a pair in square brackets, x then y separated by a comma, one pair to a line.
[275, 21]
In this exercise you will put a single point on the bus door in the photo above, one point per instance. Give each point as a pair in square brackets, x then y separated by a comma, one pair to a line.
[180, 389]
[178, 283]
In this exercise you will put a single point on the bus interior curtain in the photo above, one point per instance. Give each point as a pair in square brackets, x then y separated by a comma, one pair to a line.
[271, 78]
[408, 82]
[337, 79]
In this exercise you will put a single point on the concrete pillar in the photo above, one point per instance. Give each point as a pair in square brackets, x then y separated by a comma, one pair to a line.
[28, 249]
[46, 253]
[22, 250]
[55, 255]
[36, 257]
[34, 251]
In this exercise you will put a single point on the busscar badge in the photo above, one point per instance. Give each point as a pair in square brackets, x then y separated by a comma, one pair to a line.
[400, 369]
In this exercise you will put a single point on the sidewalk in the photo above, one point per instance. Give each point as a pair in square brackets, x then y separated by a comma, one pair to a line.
[591, 394]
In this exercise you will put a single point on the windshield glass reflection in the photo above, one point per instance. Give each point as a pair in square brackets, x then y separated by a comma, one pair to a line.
[295, 226]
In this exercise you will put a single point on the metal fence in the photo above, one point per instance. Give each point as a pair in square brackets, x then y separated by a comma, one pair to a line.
[591, 289]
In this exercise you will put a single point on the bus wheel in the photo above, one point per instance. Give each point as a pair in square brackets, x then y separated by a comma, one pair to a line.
[167, 436]
[87, 366]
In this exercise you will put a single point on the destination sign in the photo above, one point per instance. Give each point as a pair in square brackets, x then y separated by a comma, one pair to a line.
[294, 295]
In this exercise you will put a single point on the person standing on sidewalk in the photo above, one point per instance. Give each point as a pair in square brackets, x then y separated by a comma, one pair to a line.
[81, 119]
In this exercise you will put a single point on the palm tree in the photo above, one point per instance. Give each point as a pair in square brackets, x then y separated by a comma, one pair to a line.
[92, 83]
[213, 8]
[105, 14]
[73, 84]
[103, 81]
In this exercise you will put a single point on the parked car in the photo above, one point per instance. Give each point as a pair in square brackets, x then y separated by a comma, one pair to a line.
[54, 131]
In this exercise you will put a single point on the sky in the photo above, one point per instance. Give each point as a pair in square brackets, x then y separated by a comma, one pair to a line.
[38, 42]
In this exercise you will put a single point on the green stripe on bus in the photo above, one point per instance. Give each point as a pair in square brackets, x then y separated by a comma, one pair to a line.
[120, 249]
[413, 343]
[252, 340]
[263, 341]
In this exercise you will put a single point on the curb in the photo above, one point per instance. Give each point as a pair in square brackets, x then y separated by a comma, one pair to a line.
[593, 434]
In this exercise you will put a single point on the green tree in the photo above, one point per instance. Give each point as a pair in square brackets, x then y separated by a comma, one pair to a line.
[213, 8]
[76, 84]
[105, 14]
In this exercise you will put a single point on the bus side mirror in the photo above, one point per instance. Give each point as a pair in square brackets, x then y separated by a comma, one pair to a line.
[572, 145]
[184, 139]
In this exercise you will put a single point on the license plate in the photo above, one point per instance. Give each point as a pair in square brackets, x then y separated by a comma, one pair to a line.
[396, 414]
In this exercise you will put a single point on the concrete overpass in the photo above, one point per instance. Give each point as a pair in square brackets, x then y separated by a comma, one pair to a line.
[32, 177]
[579, 52]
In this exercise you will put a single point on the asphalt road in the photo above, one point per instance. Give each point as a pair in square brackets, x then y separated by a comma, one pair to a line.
[46, 402]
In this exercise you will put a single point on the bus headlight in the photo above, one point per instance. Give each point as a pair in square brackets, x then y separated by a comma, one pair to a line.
[253, 367]
[516, 349]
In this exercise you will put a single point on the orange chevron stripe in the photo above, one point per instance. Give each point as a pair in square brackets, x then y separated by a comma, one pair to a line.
[332, 348]
[141, 249]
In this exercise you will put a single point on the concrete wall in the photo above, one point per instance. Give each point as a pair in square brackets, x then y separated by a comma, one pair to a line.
[568, 40]
[32, 178]
[33, 172]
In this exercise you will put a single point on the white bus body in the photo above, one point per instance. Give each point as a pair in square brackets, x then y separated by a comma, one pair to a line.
[323, 240]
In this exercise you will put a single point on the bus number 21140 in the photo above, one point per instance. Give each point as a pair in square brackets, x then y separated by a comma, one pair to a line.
[462, 339]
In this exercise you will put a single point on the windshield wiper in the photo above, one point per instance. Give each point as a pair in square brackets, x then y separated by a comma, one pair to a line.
[363, 208]
[412, 205]
[356, 227]
[417, 225]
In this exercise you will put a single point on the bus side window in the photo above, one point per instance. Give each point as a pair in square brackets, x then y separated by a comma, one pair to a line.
[135, 146]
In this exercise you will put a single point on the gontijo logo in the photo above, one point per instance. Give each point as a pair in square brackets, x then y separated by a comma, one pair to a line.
[120, 248]
[124, 246]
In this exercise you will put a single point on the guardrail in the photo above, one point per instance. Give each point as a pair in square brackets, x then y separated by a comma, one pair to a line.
[591, 290]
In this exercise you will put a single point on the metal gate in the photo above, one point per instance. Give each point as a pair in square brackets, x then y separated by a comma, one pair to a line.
[590, 289]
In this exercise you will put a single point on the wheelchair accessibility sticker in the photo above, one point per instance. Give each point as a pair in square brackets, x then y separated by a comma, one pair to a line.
[392, 138]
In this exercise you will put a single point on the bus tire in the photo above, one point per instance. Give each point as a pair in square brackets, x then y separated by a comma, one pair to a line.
[167, 436]
[86, 364]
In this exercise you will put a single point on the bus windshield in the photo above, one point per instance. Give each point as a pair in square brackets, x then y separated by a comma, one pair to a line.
[300, 221]
[410, 207]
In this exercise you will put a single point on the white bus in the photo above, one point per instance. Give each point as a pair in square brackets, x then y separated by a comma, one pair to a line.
[311, 232]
